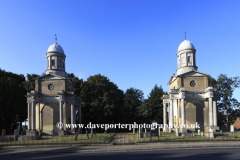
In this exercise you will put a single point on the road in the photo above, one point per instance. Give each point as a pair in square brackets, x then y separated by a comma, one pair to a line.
[180, 154]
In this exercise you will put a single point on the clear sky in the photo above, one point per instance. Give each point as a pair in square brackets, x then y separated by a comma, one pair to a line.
[132, 42]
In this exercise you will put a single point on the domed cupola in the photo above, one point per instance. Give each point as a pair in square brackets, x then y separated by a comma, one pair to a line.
[55, 48]
[185, 45]
[186, 57]
[56, 60]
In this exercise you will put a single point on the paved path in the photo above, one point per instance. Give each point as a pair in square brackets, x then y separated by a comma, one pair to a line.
[76, 154]
[122, 138]
[108, 148]
[178, 154]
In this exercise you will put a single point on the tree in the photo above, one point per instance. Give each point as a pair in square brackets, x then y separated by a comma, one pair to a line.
[155, 104]
[212, 82]
[134, 98]
[77, 83]
[30, 83]
[226, 87]
[220, 115]
[13, 107]
[228, 107]
[102, 101]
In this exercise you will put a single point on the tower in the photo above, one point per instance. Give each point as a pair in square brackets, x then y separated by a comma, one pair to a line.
[56, 60]
[52, 104]
[190, 100]
[186, 57]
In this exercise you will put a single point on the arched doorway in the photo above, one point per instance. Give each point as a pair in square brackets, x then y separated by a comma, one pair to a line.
[194, 114]
[50, 116]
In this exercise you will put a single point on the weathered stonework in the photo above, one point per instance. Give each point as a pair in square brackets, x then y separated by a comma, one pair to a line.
[190, 99]
[53, 100]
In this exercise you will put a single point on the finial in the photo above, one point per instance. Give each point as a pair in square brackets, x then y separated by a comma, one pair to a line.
[55, 38]
[185, 35]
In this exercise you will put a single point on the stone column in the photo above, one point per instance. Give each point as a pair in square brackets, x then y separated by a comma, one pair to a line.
[40, 121]
[171, 118]
[169, 115]
[38, 113]
[33, 116]
[183, 111]
[164, 115]
[72, 115]
[29, 117]
[210, 112]
[61, 112]
[214, 113]
[177, 114]
[41, 117]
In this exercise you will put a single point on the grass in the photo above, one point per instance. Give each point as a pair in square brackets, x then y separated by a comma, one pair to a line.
[99, 138]
[105, 138]
[171, 137]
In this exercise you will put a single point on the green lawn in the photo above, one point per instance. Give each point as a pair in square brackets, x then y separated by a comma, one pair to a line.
[68, 139]
[171, 137]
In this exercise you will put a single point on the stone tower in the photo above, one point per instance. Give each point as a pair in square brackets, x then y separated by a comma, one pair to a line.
[190, 100]
[52, 104]
[56, 60]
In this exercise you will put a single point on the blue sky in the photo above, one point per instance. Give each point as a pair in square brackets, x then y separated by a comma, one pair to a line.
[132, 42]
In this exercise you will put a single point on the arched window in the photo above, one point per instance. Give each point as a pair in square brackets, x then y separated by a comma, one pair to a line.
[189, 59]
[53, 62]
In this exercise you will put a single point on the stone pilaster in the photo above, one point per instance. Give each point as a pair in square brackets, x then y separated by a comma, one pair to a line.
[61, 100]
[210, 112]
[183, 111]
[182, 97]
[33, 114]
[171, 114]
[214, 113]
[164, 116]
[73, 121]
[38, 116]
[29, 117]
[61, 112]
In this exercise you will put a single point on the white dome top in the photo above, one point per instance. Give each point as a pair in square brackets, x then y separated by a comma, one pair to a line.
[55, 48]
[185, 45]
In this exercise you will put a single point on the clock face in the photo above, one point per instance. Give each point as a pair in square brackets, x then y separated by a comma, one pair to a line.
[192, 83]
[50, 86]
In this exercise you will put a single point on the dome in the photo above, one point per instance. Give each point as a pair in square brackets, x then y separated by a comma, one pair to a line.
[55, 48]
[185, 45]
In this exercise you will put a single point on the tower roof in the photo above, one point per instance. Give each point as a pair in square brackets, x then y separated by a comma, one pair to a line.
[185, 45]
[55, 48]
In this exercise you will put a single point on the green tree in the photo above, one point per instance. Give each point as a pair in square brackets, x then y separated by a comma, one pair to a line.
[134, 98]
[102, 101]
[228, 107]
[155, 104]
[77, 83]
[30, 83]
[226, 86]
[220, 115]
[212, 82]
[13, 107]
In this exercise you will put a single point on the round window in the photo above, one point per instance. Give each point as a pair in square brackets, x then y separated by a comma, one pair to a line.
[50, 86]
[192, 83]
